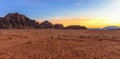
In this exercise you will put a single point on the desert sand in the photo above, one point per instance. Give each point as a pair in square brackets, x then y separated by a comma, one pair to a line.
[59, 44]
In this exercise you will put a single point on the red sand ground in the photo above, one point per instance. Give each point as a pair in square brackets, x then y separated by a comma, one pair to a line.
[59, 44]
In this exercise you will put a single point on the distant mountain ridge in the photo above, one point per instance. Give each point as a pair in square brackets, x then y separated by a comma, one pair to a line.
[19, 21]
[111, 28]
[106, 28]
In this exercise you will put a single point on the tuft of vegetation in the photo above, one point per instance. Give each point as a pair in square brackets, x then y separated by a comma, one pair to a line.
[10, 38]
[113, 37]
[81, 36]
[59, 35]
[59, 38]
[29, 42]
[25, 37]
[100, 39]
[65, 36]
[52, 37]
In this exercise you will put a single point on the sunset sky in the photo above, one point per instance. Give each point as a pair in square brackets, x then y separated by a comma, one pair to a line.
[90, 13]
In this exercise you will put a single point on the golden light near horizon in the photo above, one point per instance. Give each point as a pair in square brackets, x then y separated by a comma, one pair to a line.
[107, 13]
[99, 17]
[89, 13]
[88, 22]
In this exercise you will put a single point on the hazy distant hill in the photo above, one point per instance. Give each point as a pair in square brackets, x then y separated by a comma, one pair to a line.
[106, 28]
[111, 28]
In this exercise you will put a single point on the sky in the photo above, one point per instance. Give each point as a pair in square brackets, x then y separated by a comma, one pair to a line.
[90, 13]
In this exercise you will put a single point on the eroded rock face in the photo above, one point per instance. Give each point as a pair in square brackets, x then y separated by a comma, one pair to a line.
[58, 26]
[19, 21]
[16, 20]
[46, 24]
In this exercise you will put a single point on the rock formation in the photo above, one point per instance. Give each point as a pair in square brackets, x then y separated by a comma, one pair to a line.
[46, 24]
[58, 26]
[75, 27]
[19, 21]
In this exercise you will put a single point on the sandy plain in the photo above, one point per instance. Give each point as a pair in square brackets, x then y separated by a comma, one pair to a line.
[59, 44]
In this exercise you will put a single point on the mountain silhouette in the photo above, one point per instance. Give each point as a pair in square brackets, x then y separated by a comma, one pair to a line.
[111, 28]
[16, 20]
[20, 21]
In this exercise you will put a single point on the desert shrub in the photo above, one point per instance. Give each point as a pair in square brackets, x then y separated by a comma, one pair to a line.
[59, 35]
[59, 38]
[51, 37]
[29, 42]
[113, 37]
[100, 39]
[25, 37]
[81, 36]
[89, 36]
[10, 38]
[65, 36]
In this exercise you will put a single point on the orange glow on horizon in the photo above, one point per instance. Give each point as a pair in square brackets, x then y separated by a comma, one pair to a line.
[88, 22]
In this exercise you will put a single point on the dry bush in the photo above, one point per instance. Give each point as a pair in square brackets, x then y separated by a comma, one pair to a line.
[59, 35]
[52, 37]
[81, 36]
[113, 37]
[65, 36]
[25, 37]
[10, 38]
[100, 39]
[29, 42]
[59, 38]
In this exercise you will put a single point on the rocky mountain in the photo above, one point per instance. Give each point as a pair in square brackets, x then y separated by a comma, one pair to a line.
[19, 21]
[46, 24]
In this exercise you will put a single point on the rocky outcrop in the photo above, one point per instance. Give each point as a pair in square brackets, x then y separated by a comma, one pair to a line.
[19, 21]
[58, 26]
[46, 24]
[75, 27]
[16, 20]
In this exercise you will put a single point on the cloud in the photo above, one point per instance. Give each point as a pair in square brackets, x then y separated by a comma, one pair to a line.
[78, 4]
